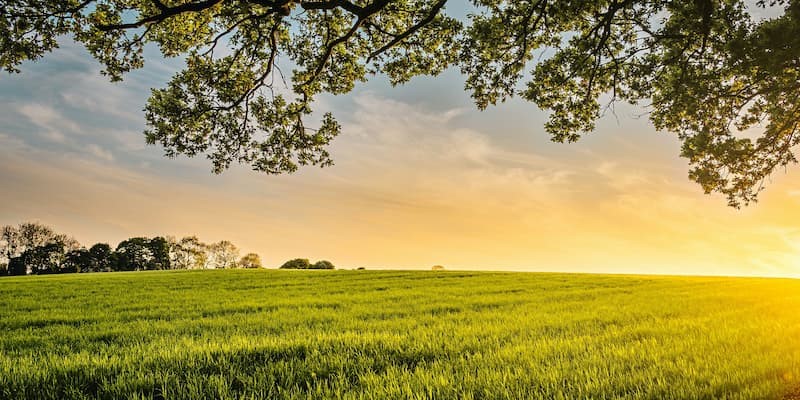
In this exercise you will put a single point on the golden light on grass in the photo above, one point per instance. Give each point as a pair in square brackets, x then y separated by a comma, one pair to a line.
[391, 334]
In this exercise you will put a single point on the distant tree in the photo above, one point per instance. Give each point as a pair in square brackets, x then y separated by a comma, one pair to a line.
[100, 256]
[96, 259]
[69, 242]
[297, 263]
[46, 259]
[9, 242]
[360, 268]
[250, 260]
[37, 249]
[207, 259]
[16, 240]
[77, 261]
[16, 266]
[133, 254]
[437, 268]
[223, 255]
[188, 253]
[34, 234]
[323, 264]
[160, 250]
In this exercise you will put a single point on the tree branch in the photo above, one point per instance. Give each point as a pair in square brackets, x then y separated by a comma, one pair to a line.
[370, 10]
[410, 31]
[165, 13]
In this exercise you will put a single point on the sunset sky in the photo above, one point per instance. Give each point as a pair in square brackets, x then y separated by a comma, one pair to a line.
[421, 178]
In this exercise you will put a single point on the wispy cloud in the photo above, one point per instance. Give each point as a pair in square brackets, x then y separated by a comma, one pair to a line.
[51, 123]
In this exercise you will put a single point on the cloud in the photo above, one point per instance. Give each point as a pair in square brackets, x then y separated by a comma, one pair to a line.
[10, 144]
[422, 155]
[63, 104]
[51, 123]
[99, 152]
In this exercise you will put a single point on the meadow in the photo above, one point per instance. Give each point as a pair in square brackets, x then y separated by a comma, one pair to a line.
[268, 334]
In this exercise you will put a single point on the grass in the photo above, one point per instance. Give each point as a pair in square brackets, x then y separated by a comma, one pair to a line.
[394, 335]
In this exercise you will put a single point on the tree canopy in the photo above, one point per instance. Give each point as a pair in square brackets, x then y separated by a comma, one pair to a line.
[297, 263]
[707, 70]
[250, 260]
[35, 243]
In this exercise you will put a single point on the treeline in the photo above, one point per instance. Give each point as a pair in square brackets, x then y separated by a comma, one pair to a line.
[33, 248]
[303, 263]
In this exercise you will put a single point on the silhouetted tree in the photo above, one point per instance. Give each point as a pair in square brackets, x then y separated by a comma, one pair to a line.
[250, 260]
[34, 234]
[160, 250]
[101, 257]
[35, 248]
[324, 264]
[98, 258]
[46, 259]
[16, 240]
[78, 260]
[297, 263]
[133, 254]
[16, 266]
[8, 243]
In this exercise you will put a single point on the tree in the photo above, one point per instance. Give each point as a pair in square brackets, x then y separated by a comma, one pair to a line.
[133, 254]
[96, 259]
[34, 234]
[706, 69]
[141, 253]
[16, 240]
[188, 253]
[16, 266]
[9, 242]
[250, 260]
[160, 249]
[46, 259]
[78, 260]
[323, 264]
[297, 263]
[100, 258]
[36, 248]
[437, 268]
[223, 255]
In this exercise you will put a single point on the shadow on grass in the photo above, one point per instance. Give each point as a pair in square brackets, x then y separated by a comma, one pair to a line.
[284, 371]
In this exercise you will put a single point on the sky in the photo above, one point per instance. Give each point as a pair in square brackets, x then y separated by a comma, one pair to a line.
[421, 177]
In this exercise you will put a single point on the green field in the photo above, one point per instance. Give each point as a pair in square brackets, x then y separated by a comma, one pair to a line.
[270, 334]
